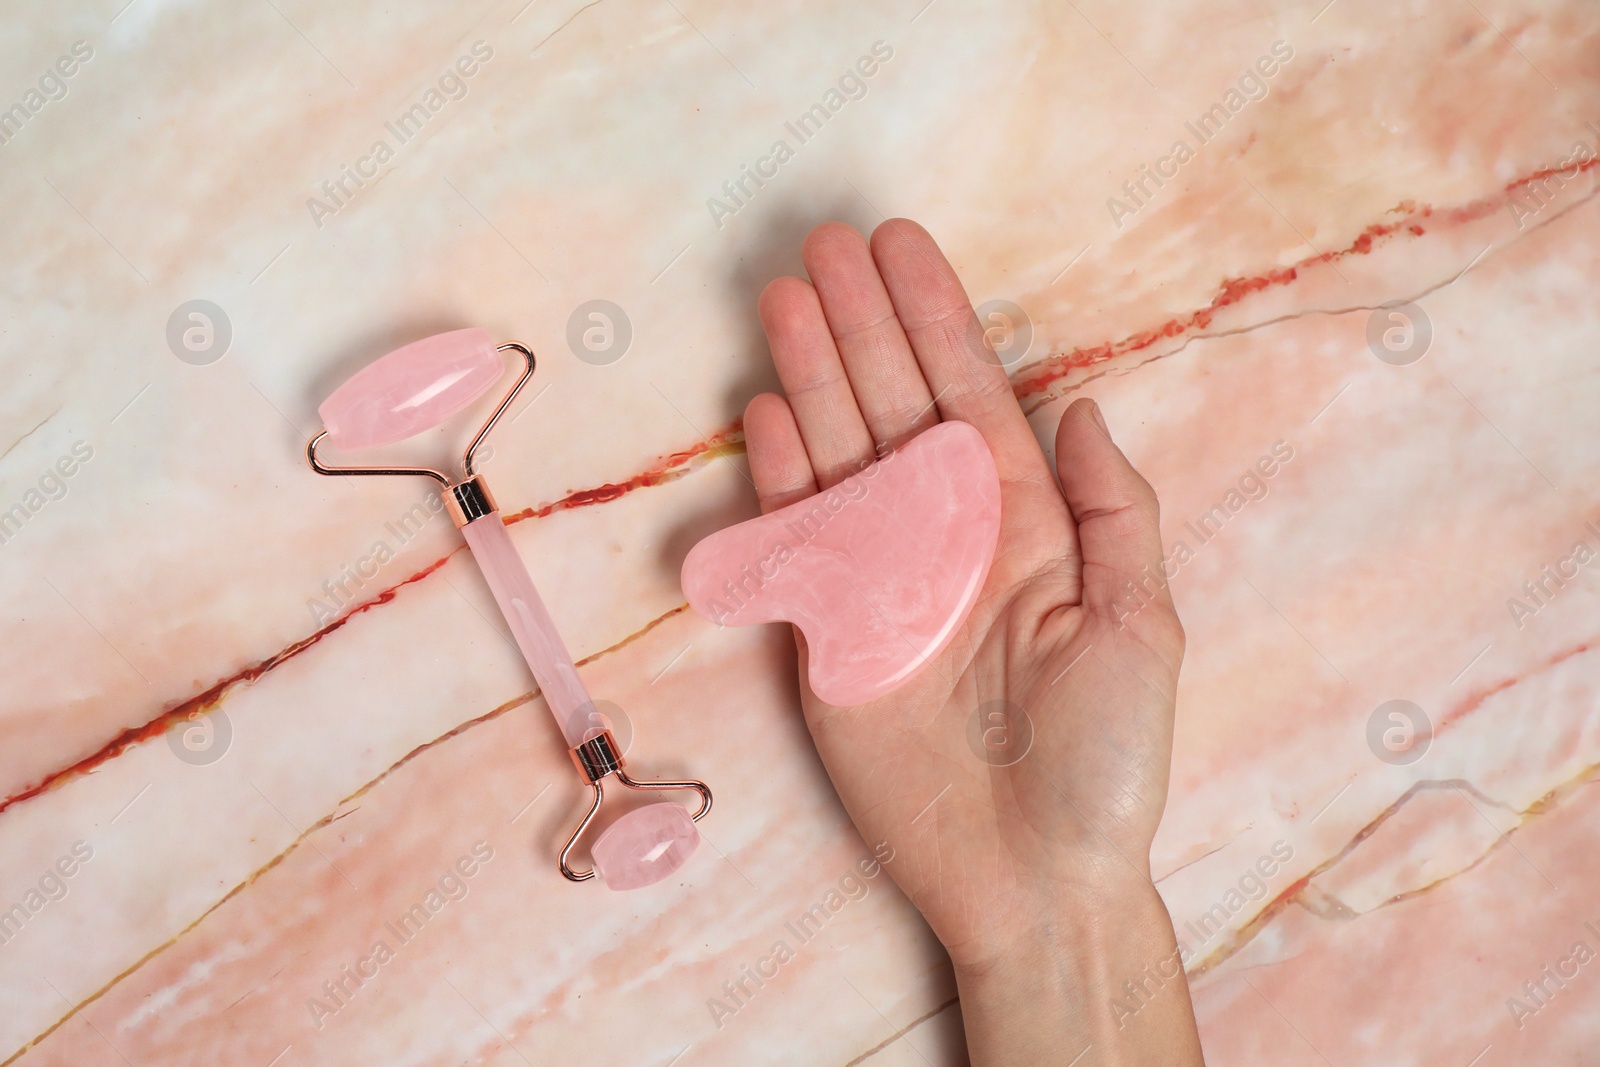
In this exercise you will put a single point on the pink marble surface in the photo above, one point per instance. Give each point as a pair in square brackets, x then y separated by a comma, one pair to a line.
[193, 892]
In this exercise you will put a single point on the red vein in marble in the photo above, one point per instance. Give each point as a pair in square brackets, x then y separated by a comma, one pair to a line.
[676, 465]
[1037, 377]
[1477, 697]
[203, 702]
[727, 441]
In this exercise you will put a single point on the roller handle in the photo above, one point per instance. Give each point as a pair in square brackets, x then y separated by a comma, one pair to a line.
[532, 628]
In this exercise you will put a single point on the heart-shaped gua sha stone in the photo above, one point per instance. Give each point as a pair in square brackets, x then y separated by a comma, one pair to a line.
[411, 389]
[644, 846]
[879, 571]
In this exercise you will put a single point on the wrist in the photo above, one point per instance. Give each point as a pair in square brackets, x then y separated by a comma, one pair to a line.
[1074, 904]
[1077, 925]
[1100, 970]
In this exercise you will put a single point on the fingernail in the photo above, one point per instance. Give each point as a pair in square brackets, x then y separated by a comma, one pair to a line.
[1099, 419]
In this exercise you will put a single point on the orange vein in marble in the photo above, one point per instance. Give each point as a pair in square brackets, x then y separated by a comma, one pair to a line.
[12, 446]
[1293, 893]
[892, 1038]
[329, 819]
[1204, 855]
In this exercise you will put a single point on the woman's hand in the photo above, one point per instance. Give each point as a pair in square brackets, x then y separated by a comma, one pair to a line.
[1032, 871]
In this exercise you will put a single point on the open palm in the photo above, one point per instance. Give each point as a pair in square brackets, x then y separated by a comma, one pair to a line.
[880, 345]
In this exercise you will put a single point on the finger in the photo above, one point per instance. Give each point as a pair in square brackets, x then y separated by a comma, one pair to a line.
[884, 375]
[780, 469]
[1119, 520]
[824, 407]
[778, 463]
[963, 372]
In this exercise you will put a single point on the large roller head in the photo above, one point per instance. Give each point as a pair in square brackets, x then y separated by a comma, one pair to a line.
[411, 389]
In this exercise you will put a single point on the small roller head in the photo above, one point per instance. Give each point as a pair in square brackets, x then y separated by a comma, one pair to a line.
[645, 845]
[411, 389]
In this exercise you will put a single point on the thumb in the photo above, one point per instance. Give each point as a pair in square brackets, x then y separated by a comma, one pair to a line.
[1119, 521]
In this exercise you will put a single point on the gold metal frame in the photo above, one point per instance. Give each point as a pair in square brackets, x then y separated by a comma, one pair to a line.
[595, 759]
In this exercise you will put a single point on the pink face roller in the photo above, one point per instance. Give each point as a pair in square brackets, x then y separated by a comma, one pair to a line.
[415, 388]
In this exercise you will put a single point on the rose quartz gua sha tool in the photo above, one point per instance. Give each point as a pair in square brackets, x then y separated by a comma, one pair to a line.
[415, 388]
[878, 572]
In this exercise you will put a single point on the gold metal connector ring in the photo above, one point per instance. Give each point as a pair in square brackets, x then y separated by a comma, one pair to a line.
[597, 758]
